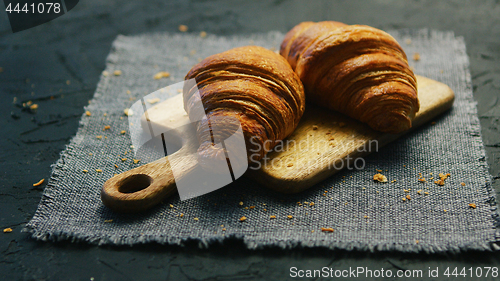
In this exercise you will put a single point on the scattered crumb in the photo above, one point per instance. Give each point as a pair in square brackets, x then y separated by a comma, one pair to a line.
[327, 229]
[289, 165]
[379, 171]
[404, 199]
[116, 166]
[98, 170]
[311, 204]
[108, 221]
[107, 127]
[272, 217]
[406, 190]
[203, 34]
[426, 193]
[183, 28]
[124, 159]
[7, 230]
[445, 210]
[416, 56]
[442, 177]
[462, 183]
[314, 127]
[379, 177]
[408, 197]
[123, 132]
[422, 180]
[224, 229]
[241, 203]
[243, 218]
[85, 171]
[39, 182]
[472, 205]
[251, 207]
[99, 137]
[153, 101]
[136, 161]
[117, 72]
[88, 113]
[161, 74]
[289, 217]
[419, 191]
[196, 219]
[128, 112]
[416, 241]
[181, 215]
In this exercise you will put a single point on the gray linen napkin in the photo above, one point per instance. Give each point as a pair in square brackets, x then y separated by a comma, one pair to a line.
[364, 214]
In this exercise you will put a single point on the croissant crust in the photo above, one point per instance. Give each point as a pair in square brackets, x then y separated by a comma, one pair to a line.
[252, 86]
[358, 70]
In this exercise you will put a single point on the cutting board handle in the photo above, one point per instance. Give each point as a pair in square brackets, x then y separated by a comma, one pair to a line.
[143, 187]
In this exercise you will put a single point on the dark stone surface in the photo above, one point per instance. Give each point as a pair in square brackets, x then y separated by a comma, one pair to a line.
[37, 63]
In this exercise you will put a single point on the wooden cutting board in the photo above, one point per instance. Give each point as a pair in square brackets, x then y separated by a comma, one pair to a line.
[322, 142]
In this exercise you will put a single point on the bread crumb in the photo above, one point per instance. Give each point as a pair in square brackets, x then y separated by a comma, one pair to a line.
[108, 220]
[289, 217]
[462, 183]
[85, 171]
[445, 210]
[123, 132]
[224, 229]
[136, 161]
[183, 28]
[241, 203]
[314, 127]
[181, 215]
[107, 127]
[128, 112]
[98, 170]
[39, 182]
[472, 205]
[426, 193]
[422, 180]
[416, 56]
[272, 217]
[153, 101]
[34, 107]
[99, 137]
[404, 199]
[7, 230]
[327, 229]
[124, 159]
[161, 74]
[105, 73]
[88, 113]
[243, 218]
[251, 207]
[419, 191]
[379, 177]
[408, 197]
[311, 204]
[203, 34]
[116, 166]
[117, 72]
[196, 219]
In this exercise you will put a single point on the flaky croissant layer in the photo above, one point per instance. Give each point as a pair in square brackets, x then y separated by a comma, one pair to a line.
[358, 70]
[251, 86]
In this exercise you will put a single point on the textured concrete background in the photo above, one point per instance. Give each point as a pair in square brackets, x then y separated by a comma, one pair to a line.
[38, 63]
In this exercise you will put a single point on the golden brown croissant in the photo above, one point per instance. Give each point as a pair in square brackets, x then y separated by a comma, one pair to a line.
[358, 70]
[252, 85]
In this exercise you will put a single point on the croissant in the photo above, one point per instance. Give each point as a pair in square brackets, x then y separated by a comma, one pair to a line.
[252, 86]
[358, 70]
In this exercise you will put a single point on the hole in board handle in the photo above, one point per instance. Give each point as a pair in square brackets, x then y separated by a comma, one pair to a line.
[135, 183]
